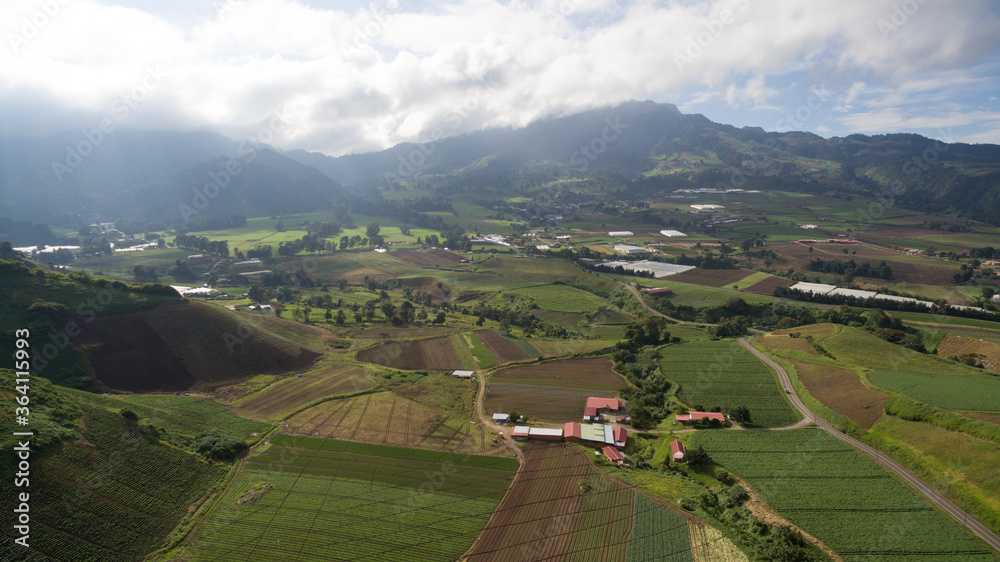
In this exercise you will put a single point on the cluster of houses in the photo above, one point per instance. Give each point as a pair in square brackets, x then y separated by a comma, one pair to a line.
[607, 438]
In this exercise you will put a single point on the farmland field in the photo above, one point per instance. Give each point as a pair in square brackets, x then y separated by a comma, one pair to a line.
[554, 391]
[182, 414]
[436, 354]
[843, 392]
[956, 346]
[954, 392]
[354, 501]
[544, 515]
[477, 349]
[555, 348]
[724, 374]
[563, 298]
[385, 417]
[861, 349]
[711, 277]
[767, 286]
[427, 257]
[502, 348]
[838, 495]
[108, 496]
[281, 397]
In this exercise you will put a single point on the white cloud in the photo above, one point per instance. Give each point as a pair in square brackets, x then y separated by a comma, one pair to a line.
[364, 78]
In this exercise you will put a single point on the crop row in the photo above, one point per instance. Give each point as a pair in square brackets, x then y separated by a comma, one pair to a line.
[657, 533]
[391, 451]
[835, 494]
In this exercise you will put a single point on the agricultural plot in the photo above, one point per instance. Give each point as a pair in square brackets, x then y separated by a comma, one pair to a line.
[724, 374]
[181, 414]
[767, 286]
[957, 346]
[384, 417]
[437, 354]
[545, 516]
[427, 258]
[563, 298]
[503, 349]
[710, 277]
[839, 496]
[286, 395]
[554, 391]
[954, 392]
[342, 500]
[657, 533]
[843, 392]
[864, 350]
[109, 496]
[560, 347]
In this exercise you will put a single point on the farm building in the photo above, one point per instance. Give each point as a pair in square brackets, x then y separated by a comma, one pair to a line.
[620, 233]
[613, 454]
[546, 433]
[856, 293]
[658, 269]
[596, 434]
[996, 299]
[927, 304]
[709, 208]
[462, 374]
[521, 432]
[695, 416]
[598, 407]
[806, 241]
[677, 451]
[630, 250]
[501, 419]
[657, 291]
[842, 241]
[621, 436]
[673, 234]
[808, 226]
[818, 288]
[571, 431]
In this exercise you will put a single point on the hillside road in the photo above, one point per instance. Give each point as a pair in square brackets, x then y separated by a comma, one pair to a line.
[912, 479]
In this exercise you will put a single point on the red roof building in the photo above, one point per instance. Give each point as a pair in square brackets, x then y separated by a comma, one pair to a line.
[571, 431]
[612, 454]
[677, 450]
[695, 416]
[620, 436]
[597, 406]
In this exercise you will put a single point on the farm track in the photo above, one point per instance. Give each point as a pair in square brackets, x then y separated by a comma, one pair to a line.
[910, 478]
[388, 421]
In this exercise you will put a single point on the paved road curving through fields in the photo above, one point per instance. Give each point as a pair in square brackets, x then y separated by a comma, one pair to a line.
[912, 479]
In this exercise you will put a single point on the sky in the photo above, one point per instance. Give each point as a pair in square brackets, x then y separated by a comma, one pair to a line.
[343, 77]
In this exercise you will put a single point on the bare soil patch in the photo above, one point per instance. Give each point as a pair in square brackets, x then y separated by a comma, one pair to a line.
[957, 346]
[427, 257]
[784, 342]
[710, 277]
[767, 286]
[843, 392]
[502, 348]
[555, 391]
[296, 391]
[435, 354]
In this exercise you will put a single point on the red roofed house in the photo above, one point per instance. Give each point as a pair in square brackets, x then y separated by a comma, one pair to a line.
[571, 431]
[620, 436]
[677, 450]
[613, 454]
[596, 407]
[695, 416]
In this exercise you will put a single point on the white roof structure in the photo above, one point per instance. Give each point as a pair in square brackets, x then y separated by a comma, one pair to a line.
[656, 268]
[545, 431]
[809, 226]
[707, 207]
[629, 249]
[928, 304]
[498, 417]
[960, 307]
[620, 233]
[462, 374]
[673, 234]
[996, 298]
[816, 288]
[856, 293]
[184, 291]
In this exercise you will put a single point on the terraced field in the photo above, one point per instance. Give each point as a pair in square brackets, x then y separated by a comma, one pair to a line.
[353, 501]
[284, 396]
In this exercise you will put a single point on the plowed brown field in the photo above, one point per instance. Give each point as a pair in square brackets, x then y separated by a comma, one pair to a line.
[436, 354]
[503, 349]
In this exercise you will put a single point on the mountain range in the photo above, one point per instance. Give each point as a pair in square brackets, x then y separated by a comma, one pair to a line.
[639, 149]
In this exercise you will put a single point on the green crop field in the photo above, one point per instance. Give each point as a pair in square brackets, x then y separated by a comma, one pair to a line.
[355, 501]
[726, 375]
[657, 533]
[861, 349]
[563, 298]
[839, 496]
[954, 392]
[111, 495]
[482, 356]
[181, 414]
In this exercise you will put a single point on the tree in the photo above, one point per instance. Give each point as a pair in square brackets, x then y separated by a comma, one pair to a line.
[341, 317]
[513, 416]
[406, 312]
[697, 456]
[130, 415]
[741, 414]
[372, 230]
[358, 318]
[280, 225]
[220, 447]
[404, 229]
[440, 318]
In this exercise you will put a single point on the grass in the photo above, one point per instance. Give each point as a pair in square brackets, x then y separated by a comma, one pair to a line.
[563, 298]
[837, 494]
[359, 501]
[283, 397]
[482, 356]
[954, 392]
[864, 350]
[748, 280]
[968, 463]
